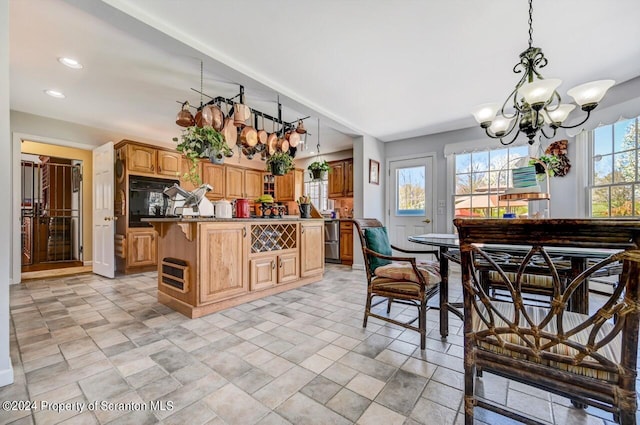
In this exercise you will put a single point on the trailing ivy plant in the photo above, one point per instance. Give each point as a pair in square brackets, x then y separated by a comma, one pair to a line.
[199, 142]
[552, 163]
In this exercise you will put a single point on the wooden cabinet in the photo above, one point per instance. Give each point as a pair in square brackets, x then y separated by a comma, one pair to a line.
[341, 179]
[169, 164]
[141, 248]
[311, 239]
[213, 175]
[287, 267]
[290, 186]
[346, 242]
[242, 183]
[263, 273]
[141, 158]
[223, 273]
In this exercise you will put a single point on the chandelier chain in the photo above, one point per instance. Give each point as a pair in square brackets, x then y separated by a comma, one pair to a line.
[201, 77]
[530, 23]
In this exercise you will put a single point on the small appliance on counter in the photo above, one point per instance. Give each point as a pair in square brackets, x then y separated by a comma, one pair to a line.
[242, 208]
[223, 209]
[185, 203]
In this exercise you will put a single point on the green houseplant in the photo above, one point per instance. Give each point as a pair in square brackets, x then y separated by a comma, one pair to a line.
[280, 163]
[318, 169]
[201, 142]
[550, 161]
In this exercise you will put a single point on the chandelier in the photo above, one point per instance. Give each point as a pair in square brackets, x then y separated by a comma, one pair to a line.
[534, 106]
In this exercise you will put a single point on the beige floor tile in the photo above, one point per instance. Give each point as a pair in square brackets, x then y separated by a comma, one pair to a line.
[365, 385]
[377, 414]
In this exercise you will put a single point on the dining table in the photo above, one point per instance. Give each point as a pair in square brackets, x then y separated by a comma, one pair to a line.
[448, 246]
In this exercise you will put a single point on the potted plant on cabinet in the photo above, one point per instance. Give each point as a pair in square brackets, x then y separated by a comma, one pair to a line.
[318, 169]
[280, 163]
[201, 142]
[551, 162]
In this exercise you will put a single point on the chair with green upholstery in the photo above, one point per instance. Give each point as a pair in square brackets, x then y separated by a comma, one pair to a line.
[588, 358]
[402, 280]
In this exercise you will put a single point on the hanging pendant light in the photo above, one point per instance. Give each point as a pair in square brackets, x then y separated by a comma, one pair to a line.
[535, 101]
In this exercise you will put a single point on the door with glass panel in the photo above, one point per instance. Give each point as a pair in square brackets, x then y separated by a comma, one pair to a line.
[411, 195]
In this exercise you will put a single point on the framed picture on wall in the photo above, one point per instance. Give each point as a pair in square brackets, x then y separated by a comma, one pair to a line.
[374, 172]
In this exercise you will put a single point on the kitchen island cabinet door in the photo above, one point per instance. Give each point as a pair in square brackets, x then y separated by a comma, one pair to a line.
[311, 248]
[224, 261]
[287, 267]
[263, 273]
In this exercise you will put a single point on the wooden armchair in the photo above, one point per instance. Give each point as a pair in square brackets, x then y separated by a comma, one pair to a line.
[396, 279]
[588, 358]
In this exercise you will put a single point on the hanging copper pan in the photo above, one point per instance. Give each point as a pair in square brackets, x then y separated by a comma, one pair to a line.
[249, 136]
[217, 117]
[262, 134]
[272, 144]
[240, 114]
[300, 128]
[230, 131]
[283, 145]
[293, 138]
[204, 117]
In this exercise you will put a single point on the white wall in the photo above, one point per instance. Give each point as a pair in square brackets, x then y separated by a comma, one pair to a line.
[368, 199]
[6, 371]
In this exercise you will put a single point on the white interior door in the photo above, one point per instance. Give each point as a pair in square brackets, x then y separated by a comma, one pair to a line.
[411, 195]
[103, 218]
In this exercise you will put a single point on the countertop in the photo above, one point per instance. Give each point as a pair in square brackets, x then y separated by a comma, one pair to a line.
[212, 219]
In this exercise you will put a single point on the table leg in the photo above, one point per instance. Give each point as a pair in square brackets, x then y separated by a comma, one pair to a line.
[444, 293]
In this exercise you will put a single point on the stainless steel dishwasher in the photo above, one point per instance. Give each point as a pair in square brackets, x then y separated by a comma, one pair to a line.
[332, 241]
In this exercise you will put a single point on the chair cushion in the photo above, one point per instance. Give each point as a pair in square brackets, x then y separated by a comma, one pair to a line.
[384, 284]
[536, 281]
[430, 271]
[378, 241]
[587, 367]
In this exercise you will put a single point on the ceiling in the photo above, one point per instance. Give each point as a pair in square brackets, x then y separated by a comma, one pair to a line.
[388, 69]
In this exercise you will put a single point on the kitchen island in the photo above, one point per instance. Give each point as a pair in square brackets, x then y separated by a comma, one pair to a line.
[208, 264]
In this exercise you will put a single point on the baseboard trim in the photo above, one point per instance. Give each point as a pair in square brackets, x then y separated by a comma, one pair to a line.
[42, 274]
[355, 266]
[88, 263]
[6, 377]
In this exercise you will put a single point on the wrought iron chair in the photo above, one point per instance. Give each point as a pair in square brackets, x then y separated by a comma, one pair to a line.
[588, 358]
[403, 280]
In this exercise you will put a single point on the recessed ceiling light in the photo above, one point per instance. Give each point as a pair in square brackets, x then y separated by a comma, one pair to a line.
[55, 93]
[71, 63]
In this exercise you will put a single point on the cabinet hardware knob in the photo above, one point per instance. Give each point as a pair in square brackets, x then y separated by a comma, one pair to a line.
[281, 263]
[302, 230]
[273, 265]
[152, 168]
[107, 219]
[159, 168]
[244, 232]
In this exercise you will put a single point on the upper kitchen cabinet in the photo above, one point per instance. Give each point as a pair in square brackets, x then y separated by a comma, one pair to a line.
[341, 179]
[141, 159]
[169, 164]
[290, 186]
[214, 176]
[242, 182]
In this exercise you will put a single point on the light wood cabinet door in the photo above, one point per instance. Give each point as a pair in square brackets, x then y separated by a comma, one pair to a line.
[224, 269]
[169, 164]
[252, 184]
[141, 248]
[213, 175]
[263, 273]
[311, 248]
[346, 243]
[287, 267]
[234, 182]
[141, 159]
[348, 178]
[336, 180]
[289, 187]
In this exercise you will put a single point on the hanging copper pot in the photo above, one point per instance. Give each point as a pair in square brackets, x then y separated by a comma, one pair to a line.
[240, 114]
[204, 117]
[184, 117]
[300, 128]
[230, 131]
[283, 145]
[272, 143]
[249, 136]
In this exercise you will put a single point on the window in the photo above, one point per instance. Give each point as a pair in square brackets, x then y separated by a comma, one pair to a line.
[479, 179]
[318, 192]
[614, 182]
[410, 194]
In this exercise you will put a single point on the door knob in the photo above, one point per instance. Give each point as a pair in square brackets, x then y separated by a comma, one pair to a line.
[107, 219]
[426, 220]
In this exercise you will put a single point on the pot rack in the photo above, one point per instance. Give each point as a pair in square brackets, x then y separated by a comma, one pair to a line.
[218, 100]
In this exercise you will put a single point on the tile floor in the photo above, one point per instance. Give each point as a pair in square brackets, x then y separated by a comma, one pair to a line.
[300, 357]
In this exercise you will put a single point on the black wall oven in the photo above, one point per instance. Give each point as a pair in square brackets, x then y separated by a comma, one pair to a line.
[146, 199]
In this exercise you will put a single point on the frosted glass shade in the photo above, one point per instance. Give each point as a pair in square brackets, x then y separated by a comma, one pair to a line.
[559, 114]
[590, 93]
[500, 125]
[539, 91]
[485, 112]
